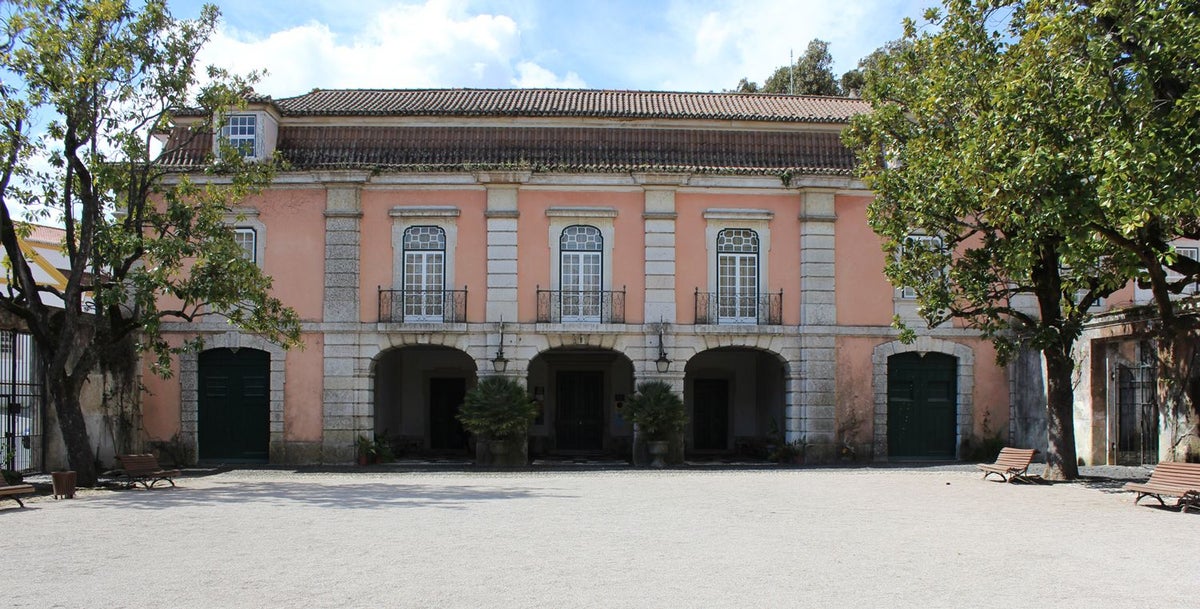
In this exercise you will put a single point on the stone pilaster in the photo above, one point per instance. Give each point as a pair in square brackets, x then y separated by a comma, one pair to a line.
[347, 408]
[811, 405]
[817, 216]
[502, 215]
[659, 217]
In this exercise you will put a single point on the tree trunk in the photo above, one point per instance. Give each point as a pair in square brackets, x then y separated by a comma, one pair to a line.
[1060, 417]
[64, 398]
[1179, 420]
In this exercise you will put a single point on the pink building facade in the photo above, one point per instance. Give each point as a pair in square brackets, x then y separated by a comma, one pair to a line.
[581, 242]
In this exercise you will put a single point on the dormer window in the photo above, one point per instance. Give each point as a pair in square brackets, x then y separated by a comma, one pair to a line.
[241, 131]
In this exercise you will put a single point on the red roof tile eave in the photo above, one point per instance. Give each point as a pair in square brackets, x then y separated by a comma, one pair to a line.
[433, 168]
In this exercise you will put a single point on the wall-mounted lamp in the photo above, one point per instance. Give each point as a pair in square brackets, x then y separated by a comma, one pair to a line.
[662, 363]
[500, 363]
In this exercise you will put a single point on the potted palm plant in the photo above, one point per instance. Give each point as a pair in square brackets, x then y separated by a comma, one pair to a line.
[498, 412]
[659, 414]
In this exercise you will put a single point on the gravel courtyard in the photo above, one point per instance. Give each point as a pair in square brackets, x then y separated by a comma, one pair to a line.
[880, 538]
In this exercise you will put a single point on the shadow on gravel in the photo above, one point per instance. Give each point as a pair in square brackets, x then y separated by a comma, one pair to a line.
[339, 496]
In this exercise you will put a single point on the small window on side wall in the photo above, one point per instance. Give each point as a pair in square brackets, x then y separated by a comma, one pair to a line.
[924, 242]
[247, 238]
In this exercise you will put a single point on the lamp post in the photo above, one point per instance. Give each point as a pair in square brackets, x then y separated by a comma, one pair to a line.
[662, 363]
[500, 363]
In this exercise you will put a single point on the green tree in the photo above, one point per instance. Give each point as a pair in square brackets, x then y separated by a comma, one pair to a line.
[108, 77]
[977, 136]
[812, 74]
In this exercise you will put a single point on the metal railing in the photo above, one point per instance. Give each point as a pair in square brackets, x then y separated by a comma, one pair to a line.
[20, 402]
[581, 306]
[750, 309]
[423, 306]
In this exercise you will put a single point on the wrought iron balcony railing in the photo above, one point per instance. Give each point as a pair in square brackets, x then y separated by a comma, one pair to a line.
[423, 306]
[581, 306]
[734, 308]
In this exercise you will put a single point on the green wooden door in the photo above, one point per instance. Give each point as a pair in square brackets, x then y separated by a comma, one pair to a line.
[234, 405]
[710, 414]
[922, 406]
[579, 415]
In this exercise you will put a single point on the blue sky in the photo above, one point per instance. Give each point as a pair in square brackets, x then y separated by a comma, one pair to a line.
[693, 45]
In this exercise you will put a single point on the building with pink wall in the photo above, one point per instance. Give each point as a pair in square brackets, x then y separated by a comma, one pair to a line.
[580, 241]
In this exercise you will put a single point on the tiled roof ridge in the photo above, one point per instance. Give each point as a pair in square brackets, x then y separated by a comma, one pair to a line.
[554, 89]
[580, 103]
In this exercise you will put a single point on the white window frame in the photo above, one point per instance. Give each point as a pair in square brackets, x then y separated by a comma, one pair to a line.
[744, 308]
[444, 217]
[600, 218]
[757, 220]
[249, 248]
[1189, 251]
[907, 293]
[581, 300]
[246, 219]
[430, 304]
[234, 131]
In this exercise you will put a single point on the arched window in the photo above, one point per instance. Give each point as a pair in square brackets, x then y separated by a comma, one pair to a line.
[737, 276]
[581, 271]
[424, 273]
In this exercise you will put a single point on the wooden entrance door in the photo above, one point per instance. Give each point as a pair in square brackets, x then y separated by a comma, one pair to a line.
[579, 413]
[922, 406]
[445, 398]
[234, 405]
[710, 414]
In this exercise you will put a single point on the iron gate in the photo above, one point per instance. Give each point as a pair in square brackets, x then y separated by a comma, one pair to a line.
[1137, 406]
[21, 392]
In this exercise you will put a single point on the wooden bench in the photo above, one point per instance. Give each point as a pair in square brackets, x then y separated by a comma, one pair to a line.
[1173, 480]
[13, 491]
[1011, 464]
[144, 470]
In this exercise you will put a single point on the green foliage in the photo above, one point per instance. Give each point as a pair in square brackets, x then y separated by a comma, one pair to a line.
[656, 409]
[498, 408]
[8, 476]
[1048, 144]
[789, 452]
[812, 74]
[107, 77]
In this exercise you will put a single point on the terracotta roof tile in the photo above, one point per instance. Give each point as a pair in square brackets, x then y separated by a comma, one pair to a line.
[570, 149]
[572, 103]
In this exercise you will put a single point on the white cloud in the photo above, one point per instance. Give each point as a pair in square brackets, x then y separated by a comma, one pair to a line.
[731, 39]
[532, 76]
[409, 46]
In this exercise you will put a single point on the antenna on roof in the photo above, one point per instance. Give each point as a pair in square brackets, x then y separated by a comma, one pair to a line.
[791, 73]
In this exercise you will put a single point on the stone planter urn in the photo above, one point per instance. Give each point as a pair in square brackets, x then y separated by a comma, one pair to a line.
[658, 449]
[64, 484]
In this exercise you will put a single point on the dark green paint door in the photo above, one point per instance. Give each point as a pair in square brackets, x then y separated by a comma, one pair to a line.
[922, 408]
[445, 397]
[710, 414]
[579, 415]
[234, 405]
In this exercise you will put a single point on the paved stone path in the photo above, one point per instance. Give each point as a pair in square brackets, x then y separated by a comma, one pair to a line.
[879, 538]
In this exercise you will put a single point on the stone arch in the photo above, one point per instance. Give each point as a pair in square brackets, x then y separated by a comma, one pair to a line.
[189, 379]
[925, 344]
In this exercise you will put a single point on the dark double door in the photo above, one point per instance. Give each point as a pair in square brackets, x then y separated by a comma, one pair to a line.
[445, 398]
[710, 414]
[579, 414]
[922, 408]
[234, 405]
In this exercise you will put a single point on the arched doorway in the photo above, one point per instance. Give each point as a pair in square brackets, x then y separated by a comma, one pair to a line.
[735, 398]
[418, 391]
[580, 390]
[233, 422]
[922, 408]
